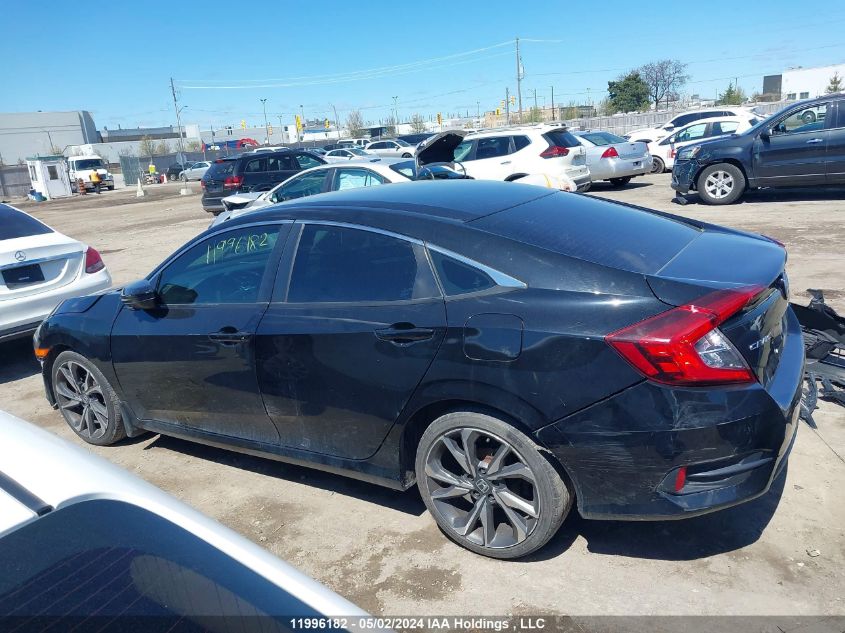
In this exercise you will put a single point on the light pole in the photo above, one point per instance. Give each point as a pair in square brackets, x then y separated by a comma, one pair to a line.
[395, 114]
[281, 128]
[336, 122]
[266, 126]
[478, 110]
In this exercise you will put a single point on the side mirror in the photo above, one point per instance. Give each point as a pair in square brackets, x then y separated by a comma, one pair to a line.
[766, 132]
[139, 295]
[669, 127]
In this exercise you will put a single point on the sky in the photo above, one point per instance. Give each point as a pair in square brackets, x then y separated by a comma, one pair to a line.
[435, 56]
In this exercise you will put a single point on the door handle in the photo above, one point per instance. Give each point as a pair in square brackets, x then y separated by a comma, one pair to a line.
[229, 336]
[404, 333]
[507, 162]
[813, 141]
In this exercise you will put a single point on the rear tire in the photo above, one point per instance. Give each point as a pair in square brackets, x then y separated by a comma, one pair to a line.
[86, 400]
[721, 183]
[406, 155]
[657, 165]
[488, 487]
[620, 182]
[183, 178]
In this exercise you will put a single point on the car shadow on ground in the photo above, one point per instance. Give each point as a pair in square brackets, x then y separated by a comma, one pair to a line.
[683, 540]
[757, 196]
[601, 185]
[408, 502]
[17, 360]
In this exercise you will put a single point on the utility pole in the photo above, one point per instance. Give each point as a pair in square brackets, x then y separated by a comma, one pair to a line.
[395, 114]
[507, 106]
[535, 99]
[519, 80]
[553, 104]
[178, 120]
[336, 121]
[302, 118]
[281, 130]
[477, 109]
[266, 125]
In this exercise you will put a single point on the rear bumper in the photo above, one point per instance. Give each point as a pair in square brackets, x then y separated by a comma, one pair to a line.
[623, 454]
[21, 316]
[214, 204]
[608, 168]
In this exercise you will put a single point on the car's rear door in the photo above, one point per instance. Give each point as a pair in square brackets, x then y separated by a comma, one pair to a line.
[794, 154]
[254, 174]
[356, 320]
[835, 156]
[190, 363]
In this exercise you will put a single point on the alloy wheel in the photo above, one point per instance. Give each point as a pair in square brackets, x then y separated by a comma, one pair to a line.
[81, 400]
[482, 488]
[719, 184]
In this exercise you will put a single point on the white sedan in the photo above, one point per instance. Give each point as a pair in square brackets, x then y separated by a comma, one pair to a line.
[196, 171]
[40, 268]
[392, 147]
[347, 153]
[663, 152]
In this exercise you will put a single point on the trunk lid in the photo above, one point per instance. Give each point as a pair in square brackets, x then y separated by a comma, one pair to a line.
[631, 150]
[29, 266]
[723, 259]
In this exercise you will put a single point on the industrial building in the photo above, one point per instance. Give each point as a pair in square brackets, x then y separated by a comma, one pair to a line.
[801, 83]
[25, 134]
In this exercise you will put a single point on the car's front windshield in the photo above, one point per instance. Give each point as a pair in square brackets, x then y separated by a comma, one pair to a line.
[88, 163]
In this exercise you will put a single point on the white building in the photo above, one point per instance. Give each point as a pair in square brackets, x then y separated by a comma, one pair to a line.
[806, 83]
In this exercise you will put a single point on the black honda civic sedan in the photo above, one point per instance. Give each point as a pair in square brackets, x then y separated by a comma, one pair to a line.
[512, 351]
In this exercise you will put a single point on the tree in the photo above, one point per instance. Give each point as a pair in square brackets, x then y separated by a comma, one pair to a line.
[147, 147]
[355, 124]
[417, 124]
[629, 93]
[535, 115]
[390, 126]
[163, 148]
[835, 84]
[193, 146]
[663, 78]
[734, 95]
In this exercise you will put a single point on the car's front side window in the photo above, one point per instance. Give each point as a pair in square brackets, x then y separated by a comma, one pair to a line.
[461, 152]
[692, 133]
[301, 186]
[306, 161]
[346, 264]
[802, 120]
[225, 268]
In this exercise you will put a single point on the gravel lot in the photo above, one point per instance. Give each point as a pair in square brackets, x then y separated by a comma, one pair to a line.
[381, 550]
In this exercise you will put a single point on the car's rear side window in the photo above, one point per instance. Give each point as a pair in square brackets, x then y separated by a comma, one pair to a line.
[220, 169]
[14, 224]
[593, 230]
[457, 277]
[561, 138]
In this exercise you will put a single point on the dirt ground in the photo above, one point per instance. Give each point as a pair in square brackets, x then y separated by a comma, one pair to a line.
[381, 550]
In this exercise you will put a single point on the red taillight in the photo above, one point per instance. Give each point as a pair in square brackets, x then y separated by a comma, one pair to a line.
[610, 152]
[93, 261]
[671, 153]
[202, 184]
[680, 478]
[684, 346]
[554, 151]
[233, 182]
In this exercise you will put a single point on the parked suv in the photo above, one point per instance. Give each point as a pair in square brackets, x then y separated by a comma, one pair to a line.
[649, 135]
[251, 172]
[511, 153]
[782, 151]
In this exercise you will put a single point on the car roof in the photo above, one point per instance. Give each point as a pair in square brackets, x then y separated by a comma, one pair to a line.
[436, 202]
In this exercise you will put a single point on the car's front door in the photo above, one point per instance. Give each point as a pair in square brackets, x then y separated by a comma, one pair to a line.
[835, 159]
[191, 361]
[355, 322]
[307, 184]
[793, 154]
[491, 159]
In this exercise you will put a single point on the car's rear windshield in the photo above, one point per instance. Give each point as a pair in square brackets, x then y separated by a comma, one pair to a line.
[593, 230]
[406, 168]
[561, 138]
[14, 224]
[220, 169]
[602, 138]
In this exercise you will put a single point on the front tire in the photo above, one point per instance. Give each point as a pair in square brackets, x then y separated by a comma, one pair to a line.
[406, 155]
[86, 400]
[620, 182]
[721, 183]
[183, 178]
[488, 487]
